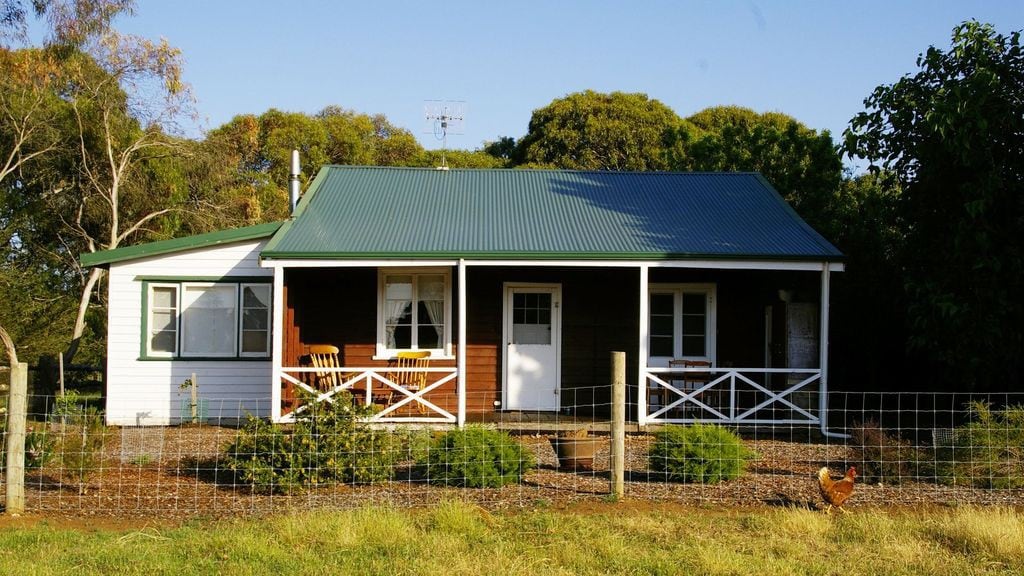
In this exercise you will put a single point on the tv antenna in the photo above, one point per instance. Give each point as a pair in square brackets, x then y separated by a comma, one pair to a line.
[444, 117]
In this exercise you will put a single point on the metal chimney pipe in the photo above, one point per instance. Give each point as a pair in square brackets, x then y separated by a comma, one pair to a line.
[293, 182]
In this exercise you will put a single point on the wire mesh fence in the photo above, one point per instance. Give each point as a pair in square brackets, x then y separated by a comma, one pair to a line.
[907, 449]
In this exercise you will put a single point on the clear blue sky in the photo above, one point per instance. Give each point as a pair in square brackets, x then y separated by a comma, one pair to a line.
[815, 60]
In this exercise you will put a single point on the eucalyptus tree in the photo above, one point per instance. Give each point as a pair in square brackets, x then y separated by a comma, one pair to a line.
[595, 131]
[29, 120]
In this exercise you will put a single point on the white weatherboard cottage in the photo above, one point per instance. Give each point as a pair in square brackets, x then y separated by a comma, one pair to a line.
[508, 287]
[198, 305]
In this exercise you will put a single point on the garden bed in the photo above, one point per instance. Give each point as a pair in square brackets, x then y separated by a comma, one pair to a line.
[173, 473]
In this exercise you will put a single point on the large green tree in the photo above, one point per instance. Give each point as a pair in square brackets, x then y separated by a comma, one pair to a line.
[953, 135]
[254, 153]
[801, 163]
[32, 112]
[594, 131]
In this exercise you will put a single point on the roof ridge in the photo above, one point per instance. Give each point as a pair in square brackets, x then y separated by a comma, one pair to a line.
[544, 171]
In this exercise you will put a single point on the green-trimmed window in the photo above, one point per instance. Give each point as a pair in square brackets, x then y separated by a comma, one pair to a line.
[207, 320]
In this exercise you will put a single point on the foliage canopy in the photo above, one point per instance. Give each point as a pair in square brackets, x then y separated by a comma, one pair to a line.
[953, 136]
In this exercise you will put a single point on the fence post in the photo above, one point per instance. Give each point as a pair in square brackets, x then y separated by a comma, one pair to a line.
[16, 407]
[618, 432]
[195, 399]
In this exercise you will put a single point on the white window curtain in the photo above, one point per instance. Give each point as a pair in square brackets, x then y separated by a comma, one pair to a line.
[431, 293]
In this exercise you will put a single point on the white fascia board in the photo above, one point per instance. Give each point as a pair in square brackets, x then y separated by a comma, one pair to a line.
[271, 263]
[810, 266]
[705, 264]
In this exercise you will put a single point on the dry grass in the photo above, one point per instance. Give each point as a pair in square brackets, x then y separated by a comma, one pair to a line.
[459, 538]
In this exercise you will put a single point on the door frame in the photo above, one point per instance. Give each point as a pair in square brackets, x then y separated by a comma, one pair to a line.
[506, 334]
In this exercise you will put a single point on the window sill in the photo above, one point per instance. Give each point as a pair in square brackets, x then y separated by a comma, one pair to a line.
[387, 357]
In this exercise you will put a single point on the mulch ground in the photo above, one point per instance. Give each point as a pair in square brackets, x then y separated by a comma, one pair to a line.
[169, 474]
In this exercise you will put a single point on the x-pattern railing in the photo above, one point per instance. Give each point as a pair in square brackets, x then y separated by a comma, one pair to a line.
[374, 382]
[693, 405]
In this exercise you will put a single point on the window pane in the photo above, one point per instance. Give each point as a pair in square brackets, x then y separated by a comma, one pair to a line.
[693, 346]
[519, 301]
[163, 341]
[164, 297]
[695, 303]
[661, 346]
[162, 321]
[662, 304]
[431, 287]
[518, 316]
[398, 288]
[431, 311]
[662, 326]
[398, 337]
[398, 312]
[256, 297]
[429, 336]
[209, 324]
[254, 320]
[254, 341]
[693, 325]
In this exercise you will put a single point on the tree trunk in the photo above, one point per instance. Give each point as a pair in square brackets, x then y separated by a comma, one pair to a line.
[12, 352]
[83, 306]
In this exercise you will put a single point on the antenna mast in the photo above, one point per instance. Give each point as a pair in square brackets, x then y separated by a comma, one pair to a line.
[444, 117]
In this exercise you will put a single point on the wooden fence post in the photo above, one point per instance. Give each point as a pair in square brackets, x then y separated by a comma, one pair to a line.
[16, 407]
[195, 399]
[618, 433]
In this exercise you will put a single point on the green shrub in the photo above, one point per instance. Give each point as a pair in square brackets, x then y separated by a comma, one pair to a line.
[476, 457]
[38, 446]
[988, 452]
[884, 457]
[328, 443]
[701, 453]
[79, 445]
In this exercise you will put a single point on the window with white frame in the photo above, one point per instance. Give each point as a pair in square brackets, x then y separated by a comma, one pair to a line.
[207, 320]
[682, 322]
[414, 311]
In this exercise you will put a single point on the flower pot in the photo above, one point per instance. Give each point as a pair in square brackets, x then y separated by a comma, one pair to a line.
[575, 453]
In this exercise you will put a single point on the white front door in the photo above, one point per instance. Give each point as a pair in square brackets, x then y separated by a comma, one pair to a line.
[533, 341]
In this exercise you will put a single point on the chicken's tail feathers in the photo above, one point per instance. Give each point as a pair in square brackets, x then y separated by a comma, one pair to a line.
[823, 473]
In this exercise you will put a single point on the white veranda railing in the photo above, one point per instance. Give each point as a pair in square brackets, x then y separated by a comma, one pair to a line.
[368, 384]
[731, 395]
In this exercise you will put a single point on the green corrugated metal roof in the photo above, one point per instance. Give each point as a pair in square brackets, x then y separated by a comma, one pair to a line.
[179, 244]
[373, 212]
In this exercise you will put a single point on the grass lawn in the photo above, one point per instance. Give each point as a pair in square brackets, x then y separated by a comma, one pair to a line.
[457, 538]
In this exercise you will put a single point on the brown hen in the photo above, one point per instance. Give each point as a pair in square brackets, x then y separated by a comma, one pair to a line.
[836, 492]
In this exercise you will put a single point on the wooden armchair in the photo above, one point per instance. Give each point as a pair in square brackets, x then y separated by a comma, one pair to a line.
[411, 380]
[325, 356]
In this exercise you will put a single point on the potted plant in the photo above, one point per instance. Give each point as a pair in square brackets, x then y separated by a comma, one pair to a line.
[575, 449]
